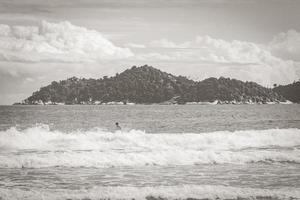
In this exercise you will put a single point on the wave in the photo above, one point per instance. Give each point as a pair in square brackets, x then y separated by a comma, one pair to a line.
[41, 147]
[155, 193]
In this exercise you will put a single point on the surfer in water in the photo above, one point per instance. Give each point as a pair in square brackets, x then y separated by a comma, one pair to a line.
[118, 128]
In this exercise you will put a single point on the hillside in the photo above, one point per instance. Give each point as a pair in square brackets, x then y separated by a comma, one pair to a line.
[226, 89]
[290, 92]
[146, 85]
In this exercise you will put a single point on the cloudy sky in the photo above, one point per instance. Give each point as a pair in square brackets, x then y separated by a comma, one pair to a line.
[42, 41]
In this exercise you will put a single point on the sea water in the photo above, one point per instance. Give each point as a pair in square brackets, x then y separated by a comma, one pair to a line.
[162, 152]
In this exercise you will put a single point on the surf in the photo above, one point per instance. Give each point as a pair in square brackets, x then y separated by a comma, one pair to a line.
[39, 146]
[212, 192]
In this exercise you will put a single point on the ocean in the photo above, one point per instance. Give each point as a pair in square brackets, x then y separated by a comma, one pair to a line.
[163, 152]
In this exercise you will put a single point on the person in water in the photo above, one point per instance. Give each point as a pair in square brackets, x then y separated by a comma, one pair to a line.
[118, 128]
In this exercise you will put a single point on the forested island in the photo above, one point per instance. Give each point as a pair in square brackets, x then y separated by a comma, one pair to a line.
[290, 92]
[148, 85]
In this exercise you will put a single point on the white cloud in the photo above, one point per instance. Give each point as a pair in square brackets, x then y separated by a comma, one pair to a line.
[31, 56]
[222, 51]
[286, 45]
[56, 42]
[236, 59]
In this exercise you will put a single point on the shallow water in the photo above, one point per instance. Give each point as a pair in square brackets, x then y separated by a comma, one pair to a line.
[173, 152]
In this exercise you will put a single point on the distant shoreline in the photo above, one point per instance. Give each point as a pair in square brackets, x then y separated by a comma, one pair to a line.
[163, 103]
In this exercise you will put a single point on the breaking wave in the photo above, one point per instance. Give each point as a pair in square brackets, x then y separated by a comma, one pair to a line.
[195, 192]
[41, 147]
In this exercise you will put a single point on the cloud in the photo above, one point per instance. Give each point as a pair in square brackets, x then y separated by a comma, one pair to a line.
[206, 48]
[32, 56]
[286, 45]
[237, 59]
[56, 42]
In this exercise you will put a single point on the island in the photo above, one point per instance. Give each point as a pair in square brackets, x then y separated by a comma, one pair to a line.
[148, 85]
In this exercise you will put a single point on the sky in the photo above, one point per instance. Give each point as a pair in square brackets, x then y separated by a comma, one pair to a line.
[44, 41]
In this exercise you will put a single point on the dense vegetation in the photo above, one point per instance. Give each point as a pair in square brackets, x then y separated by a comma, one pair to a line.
[149, 85]
[290, 92]
[225, 89]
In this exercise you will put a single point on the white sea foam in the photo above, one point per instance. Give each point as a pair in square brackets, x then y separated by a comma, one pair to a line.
[158, 192]
[41, 147]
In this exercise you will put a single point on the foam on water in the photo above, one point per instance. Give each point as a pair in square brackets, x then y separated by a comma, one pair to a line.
[41, 147]
[158, 192]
